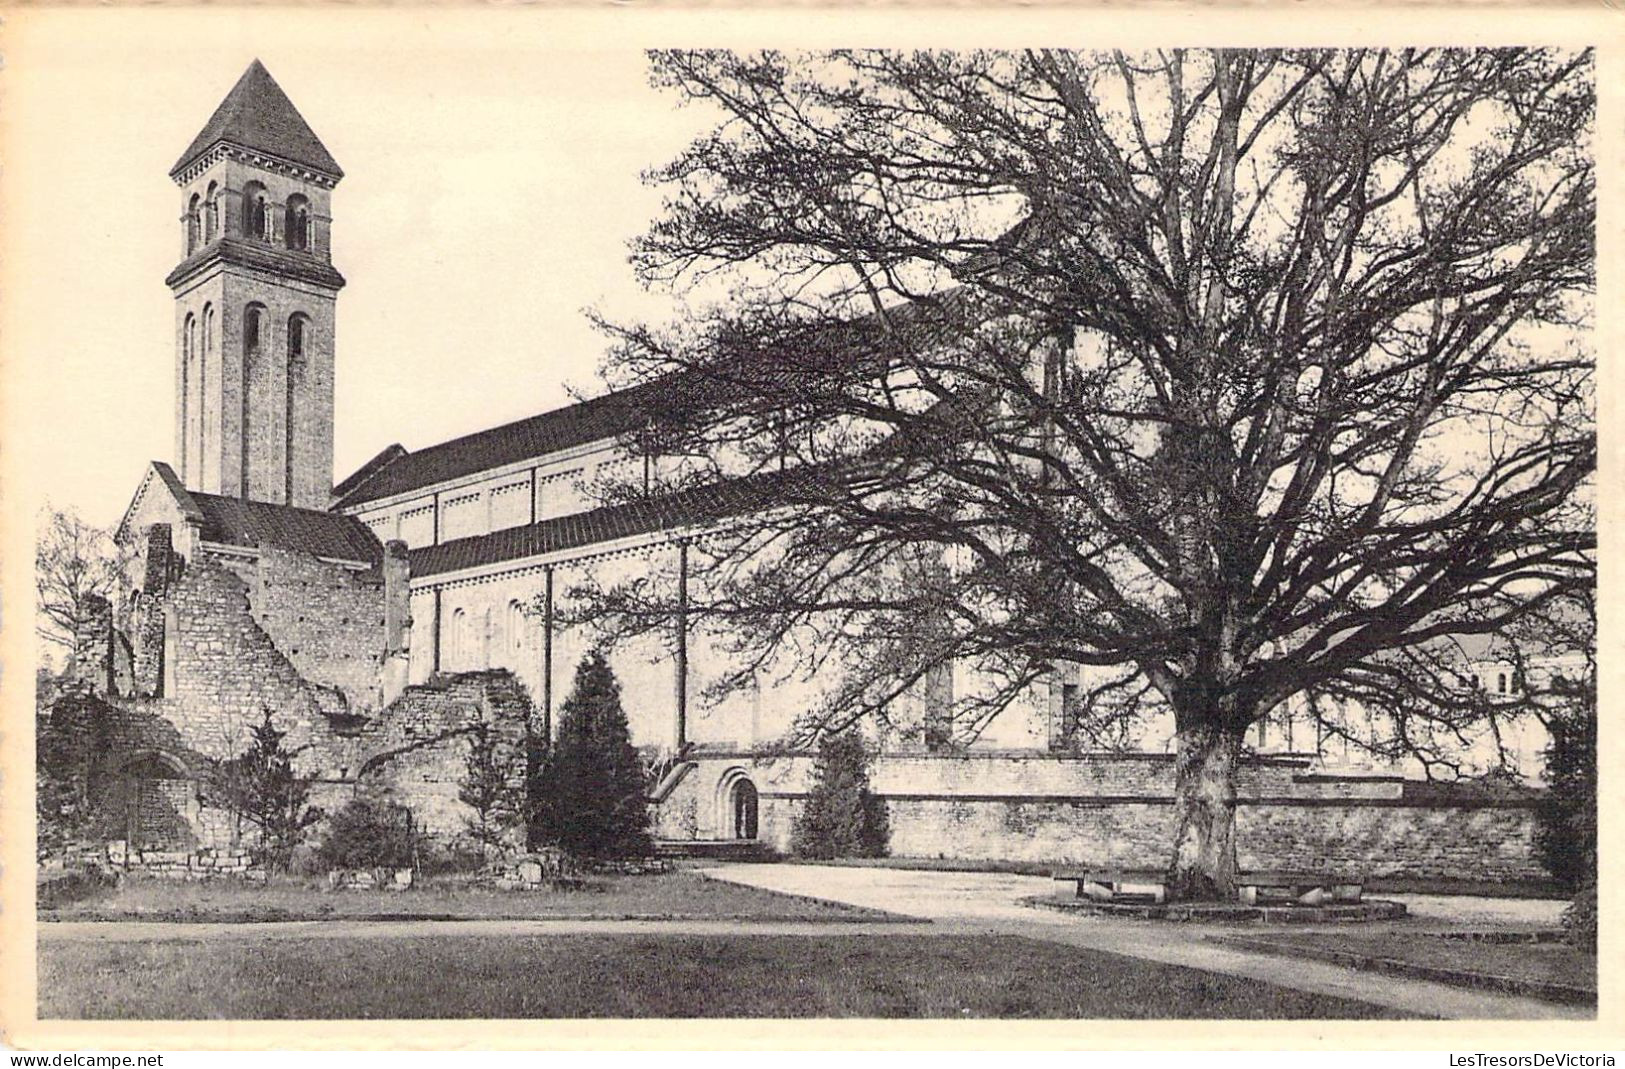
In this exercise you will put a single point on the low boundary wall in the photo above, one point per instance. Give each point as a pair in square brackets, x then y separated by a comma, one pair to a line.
[1118, 809]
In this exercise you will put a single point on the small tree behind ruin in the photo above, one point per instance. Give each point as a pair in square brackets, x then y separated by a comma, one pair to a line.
[494, 786]
[73, 560]
[261, 785]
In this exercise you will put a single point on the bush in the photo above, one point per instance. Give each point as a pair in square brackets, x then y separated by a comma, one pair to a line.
[368, 834]
[1567, 830]
[1580, 918]
[842, 817]
[592, 798]
[69, 751]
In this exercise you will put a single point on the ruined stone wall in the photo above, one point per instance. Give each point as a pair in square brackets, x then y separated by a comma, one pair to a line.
[418, 748]
[326, 620]
[1118, 810]
[227, 672]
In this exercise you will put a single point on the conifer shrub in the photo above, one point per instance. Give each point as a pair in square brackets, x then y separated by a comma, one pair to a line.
[1566, 833]
[1566, 829]
[494, 788]
[592, 797]
[262, 785]
[841, 817]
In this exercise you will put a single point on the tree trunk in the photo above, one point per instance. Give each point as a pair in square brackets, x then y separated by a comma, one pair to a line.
[1204, 861]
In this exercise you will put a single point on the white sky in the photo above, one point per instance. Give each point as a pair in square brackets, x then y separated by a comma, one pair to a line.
[492, 159]
[492, 182]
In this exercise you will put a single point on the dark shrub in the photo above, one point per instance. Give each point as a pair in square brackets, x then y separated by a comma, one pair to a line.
[1580, 919]
[368, 834]
[1566, 833]
[592, 798]
[69, 750]
[842, 817]
[451, 858]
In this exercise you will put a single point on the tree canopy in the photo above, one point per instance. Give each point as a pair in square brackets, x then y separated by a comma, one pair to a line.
[72, 561]
[1230, 375]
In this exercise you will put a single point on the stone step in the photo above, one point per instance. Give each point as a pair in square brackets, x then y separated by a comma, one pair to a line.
[715, 849]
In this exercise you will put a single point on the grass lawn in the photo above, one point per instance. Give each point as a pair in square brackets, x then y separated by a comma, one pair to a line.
[1555, 963]
[677, 894]
[902, 975]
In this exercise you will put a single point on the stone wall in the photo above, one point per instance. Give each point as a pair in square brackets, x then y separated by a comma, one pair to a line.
[328, 621]
[206, 863]
[418, 748]
[1481, 841]
[1118, 810]
[226, 673]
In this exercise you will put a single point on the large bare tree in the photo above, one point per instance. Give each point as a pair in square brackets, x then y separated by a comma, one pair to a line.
[73, 560]
[1233, 376]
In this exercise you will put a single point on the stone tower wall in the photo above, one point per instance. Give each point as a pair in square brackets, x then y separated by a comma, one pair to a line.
[246, 394]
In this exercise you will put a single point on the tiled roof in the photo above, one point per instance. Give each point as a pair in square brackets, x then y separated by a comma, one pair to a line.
[683, 509]
[235, 522]
[608, 416]
[257, 114]
[817, 350]
[383, 459]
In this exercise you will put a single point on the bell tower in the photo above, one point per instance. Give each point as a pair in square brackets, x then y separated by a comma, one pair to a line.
[254, 302]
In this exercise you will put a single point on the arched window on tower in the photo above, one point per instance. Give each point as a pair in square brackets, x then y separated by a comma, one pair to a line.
[189, 385]
[253, 388]
[253, 318]
[193, 223]
[205, 356]
[296, 223]
[298, 329]
[211, 213]
[255, 211]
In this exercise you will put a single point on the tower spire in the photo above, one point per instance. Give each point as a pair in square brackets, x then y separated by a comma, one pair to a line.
[258, 116]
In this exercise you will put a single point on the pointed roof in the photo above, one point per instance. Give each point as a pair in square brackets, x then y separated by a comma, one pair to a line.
[257, 114]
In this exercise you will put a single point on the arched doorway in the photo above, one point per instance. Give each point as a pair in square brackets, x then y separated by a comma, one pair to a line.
[151, 802]
[744, 807]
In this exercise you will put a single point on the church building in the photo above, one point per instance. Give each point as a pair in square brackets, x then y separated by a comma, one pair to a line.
[377, 619]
